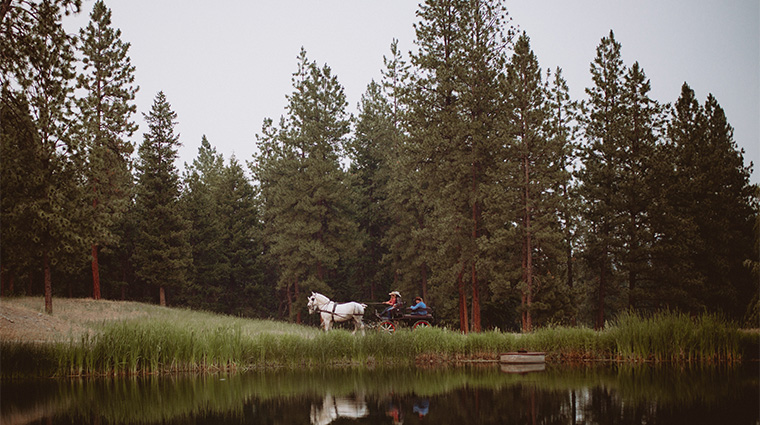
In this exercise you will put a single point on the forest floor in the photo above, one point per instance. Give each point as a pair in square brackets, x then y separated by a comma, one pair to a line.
[23, 319]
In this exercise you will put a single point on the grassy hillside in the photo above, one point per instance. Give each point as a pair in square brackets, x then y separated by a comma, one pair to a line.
[85, 337]
[22, 319]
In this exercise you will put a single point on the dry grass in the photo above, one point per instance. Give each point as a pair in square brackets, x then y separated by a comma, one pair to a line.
[24, 319]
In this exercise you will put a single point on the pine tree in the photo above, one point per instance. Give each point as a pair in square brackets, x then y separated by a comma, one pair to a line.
[37, 76]
[540, 174]
[454, 106]
[605, 135]
[20, 186]
[306, 202]
[237, 206]
[369, 152]
[202, 179]
[637, 186]
[408, 251]
[679, 283]
[220, 204]
[712, 208]
[162, 252]
[105, 122]
[563, 116]
[726, 218]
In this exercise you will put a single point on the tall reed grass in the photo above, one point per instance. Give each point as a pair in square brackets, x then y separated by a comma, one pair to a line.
[191, 341]
[671, 336]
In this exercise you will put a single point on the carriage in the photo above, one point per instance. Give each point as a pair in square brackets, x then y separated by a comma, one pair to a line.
[400, 317]
[358, 313]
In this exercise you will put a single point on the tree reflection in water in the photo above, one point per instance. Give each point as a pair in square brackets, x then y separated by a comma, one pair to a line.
[482, 395]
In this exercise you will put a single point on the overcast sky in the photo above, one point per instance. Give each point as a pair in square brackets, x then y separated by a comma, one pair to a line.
[226, 65]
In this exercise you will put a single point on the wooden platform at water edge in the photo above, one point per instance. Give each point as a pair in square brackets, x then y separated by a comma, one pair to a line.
[522, 357]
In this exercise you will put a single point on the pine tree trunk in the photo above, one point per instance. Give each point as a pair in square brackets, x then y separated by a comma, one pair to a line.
[48, 284]
[95, 265]
[289, 300]
[162, 297]
[423, 271]
[475, 300]
[298, 313]
[570, 281]
[124, 280]
[464, 324]
[602, 285]
[632, 277]
[527, 324]
[95, 273]
[475, 292]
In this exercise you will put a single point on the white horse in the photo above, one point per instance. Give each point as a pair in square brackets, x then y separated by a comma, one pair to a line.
[330, 311]
[351, 407]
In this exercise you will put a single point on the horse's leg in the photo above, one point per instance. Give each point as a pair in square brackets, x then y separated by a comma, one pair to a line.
[358, 324]
[328, 323]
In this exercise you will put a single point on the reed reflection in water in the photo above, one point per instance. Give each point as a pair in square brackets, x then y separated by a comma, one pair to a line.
[630, 394]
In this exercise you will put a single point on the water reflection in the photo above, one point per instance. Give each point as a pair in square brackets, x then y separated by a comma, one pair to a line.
[332, 408]
[480, 395]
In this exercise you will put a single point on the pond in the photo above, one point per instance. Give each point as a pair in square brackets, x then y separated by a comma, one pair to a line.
[482, 394]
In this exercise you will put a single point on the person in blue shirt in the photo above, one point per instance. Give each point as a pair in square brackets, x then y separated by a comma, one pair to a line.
[419, 307]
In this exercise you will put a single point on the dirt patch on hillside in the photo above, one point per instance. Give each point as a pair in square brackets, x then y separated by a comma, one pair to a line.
[23, 324]
[24, 319]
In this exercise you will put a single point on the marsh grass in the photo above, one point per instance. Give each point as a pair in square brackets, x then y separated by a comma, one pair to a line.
[176, 340]
[671, 336]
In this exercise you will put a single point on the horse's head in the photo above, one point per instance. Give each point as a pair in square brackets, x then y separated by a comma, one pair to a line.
[316, 301]
[312, 303]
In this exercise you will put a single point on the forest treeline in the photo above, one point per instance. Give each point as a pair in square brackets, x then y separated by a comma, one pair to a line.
[468, 176]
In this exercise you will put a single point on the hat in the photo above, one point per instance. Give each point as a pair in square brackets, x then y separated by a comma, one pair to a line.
[395, 293]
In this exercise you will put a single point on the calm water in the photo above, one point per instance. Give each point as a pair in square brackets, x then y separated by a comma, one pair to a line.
[466, 395]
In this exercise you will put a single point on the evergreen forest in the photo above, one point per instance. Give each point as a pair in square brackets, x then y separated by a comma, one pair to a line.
[467, 176]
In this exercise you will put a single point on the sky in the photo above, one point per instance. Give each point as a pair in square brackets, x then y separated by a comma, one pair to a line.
[226, 65]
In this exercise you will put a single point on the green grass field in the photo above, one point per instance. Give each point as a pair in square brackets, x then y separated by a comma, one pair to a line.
[134, 338]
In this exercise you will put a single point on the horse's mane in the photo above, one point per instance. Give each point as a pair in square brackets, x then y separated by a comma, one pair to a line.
[321, 298]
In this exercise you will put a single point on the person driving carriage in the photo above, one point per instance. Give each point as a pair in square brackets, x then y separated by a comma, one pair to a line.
[393, 304]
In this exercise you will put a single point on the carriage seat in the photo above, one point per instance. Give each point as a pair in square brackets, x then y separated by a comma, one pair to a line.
[428, 316]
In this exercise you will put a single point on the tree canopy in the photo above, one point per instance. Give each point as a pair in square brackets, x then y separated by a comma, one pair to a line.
[468, 176]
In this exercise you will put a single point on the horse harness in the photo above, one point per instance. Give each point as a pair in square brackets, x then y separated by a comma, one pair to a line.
[333, 313]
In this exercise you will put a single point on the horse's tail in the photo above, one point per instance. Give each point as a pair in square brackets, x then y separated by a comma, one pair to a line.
[360, 308]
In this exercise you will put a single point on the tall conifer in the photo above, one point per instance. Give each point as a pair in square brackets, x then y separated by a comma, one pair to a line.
[605, 135]
[162, 252]
[713, 207]
[453, 122]
[369, 152]
[201, 180]
[306, 202]
[541, 172]
[37, 85]
[563, 116]
[637, 184]
[105, 124]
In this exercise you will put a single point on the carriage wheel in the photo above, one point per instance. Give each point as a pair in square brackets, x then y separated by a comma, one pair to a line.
[387, 327]
[421, 324]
